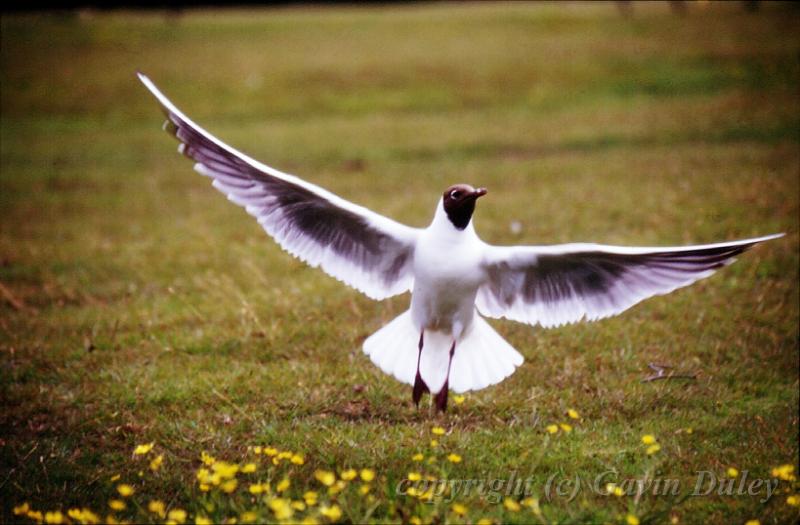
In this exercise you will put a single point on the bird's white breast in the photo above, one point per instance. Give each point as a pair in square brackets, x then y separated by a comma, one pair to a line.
[447, 274]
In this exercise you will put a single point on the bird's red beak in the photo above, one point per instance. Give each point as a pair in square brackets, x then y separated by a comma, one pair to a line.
[480, 192]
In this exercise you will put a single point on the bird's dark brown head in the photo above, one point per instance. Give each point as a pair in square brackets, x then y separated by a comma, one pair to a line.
[459, 203]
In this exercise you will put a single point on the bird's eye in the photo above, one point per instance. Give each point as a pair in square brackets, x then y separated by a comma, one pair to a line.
[455, 194]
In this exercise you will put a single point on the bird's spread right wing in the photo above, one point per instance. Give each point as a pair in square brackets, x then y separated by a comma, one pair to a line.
[555, 285]
[363, 249]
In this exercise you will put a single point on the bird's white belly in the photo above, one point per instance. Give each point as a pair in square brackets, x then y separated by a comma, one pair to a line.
[446, 281]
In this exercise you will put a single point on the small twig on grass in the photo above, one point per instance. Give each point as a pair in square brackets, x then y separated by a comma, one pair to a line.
[660, 373]
[13, 301]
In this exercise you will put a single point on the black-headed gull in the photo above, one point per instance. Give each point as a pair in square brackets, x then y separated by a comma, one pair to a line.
[442, 343]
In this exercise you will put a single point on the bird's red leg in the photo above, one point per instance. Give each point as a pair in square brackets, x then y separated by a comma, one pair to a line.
[419, 385]
[441, 397]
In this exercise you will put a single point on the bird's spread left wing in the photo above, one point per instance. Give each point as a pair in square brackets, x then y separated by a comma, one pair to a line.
[555, 285]
[365, 250]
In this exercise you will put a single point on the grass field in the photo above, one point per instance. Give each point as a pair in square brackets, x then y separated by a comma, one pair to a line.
[137, 305]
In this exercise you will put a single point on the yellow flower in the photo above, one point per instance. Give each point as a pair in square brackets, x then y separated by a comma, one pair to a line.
[155, 464]
[297, 459]
[459, 509]
[283, 485]
[630, 519]
[417, 457]
[434, 443]
[207, 459]
[612, 488]
[325, 477]
[348, 474]
[285, 455]
[573, 414]
[257, 449]
[248, 517]
[249, 468]
[310, 498]
[141, 450]
[484, 521]
[298, 505]
[281, 508]
[458, 399]
[225, 470]
[784, 472]
[115, 477]
[35, 515]
[793, 500]
[752, 522]
[565, 427]
[364, 489]
[270, 451]
[689, 430]
[202, 520]
[454, 458]
[648, 439]
[257, 488]
[511, 505]
[229, 486]
[439, 431]
[333, 512]
[204, 487]
[54, 517]
[309, 520]
[414, 476]
[22, 509]
[732, 472]
[415, 520]
[157, 507]
[367, 474]
[177, 515]
[124, 490]
[116, 504]
[551, 429]
[337, 487]
[652, 449]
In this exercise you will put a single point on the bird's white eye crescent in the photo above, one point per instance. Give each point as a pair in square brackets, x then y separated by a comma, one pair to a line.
[455, 194]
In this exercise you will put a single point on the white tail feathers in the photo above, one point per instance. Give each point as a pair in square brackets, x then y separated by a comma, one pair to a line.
[482, 357]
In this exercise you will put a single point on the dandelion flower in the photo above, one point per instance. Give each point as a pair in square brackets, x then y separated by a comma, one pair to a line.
[157, 507]
[630, 519]
[207, 459]
[155, 464]
[248, 517]
[689, 430]
[325, 477]
[270, 451]
[309, 520]
[337, 487]
[784, 472]
[511, 505]
[484, 521]
[229, 486]
[22, 509]
[459, 509]
[793, 500]
[364, 489]
[458, 399]
[283, 485]
[225, 470]
[573, 414]
[414, 476]
[613, 488]
[752, 522]
[256, 488]
[116, 504]
[434, 443]
[249, 468]
[333, 512]
[417, 457]
[36, 515]
[367, 474]
[281, 508]
[177, 515]
[115, 477]
[310, 498]
[439, 431]
[257, 449]
[54, 517]
[648, 439]
[124, 490]
[551, 429]
[141, 450]
[348, 474]
[652, 449]
[454, 458]
[297, 459]
[732, 472]
[415, 520]
[202, 520]
[566, 427]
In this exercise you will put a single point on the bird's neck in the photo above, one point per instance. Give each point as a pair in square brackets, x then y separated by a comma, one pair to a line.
[444, 228]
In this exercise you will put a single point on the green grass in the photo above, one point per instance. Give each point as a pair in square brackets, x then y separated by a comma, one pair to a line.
[141, 306]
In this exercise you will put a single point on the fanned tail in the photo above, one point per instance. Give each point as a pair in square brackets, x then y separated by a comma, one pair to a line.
[482, 357]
